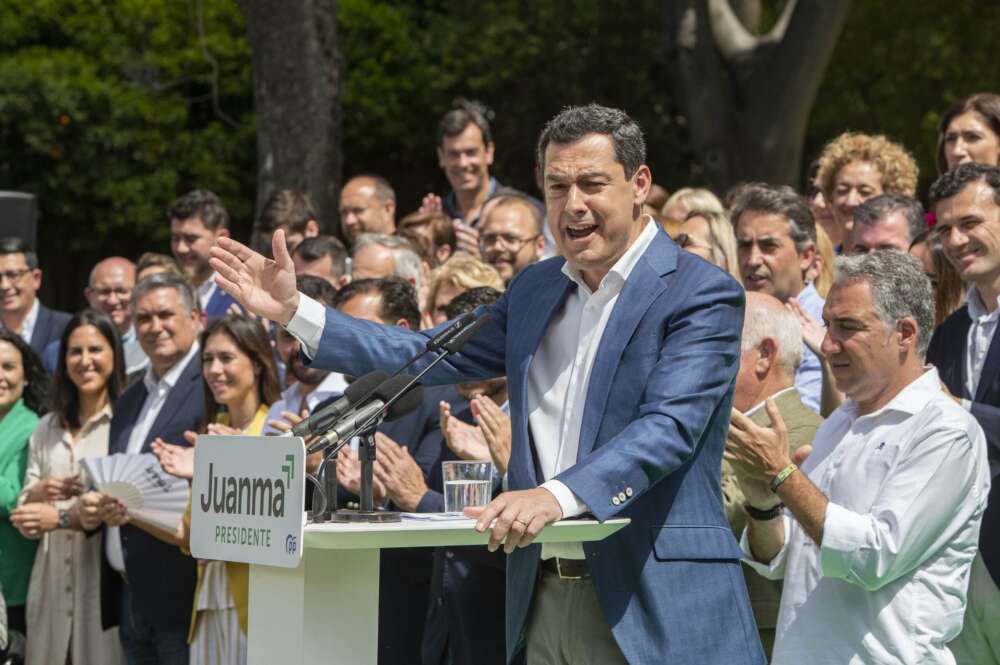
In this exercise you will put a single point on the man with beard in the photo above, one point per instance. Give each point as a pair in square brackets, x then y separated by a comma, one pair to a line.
[197, 220]
[311, 385]
[511, 237]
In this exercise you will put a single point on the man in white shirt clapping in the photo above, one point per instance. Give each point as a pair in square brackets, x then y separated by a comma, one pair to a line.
[882, 520]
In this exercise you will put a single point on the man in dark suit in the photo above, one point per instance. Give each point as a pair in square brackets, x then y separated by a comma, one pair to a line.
[147, 585]
[965, 349]
[20, 309]
[620, 357]
[197, 220]
[415, 440]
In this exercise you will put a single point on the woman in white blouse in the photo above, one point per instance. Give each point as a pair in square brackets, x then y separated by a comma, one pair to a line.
[64, 594]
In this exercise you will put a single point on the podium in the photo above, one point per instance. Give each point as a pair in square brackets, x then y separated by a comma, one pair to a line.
[326, 609]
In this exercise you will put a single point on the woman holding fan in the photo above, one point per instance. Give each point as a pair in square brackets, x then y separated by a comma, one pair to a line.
[64, 595]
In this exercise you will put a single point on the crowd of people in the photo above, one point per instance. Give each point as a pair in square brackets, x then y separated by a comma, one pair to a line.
[825, 362]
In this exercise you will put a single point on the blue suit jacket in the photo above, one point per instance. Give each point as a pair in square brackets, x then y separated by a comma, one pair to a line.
[161, 577]
[947, 352]
[654, 422]
[219, 304]
[48, 328]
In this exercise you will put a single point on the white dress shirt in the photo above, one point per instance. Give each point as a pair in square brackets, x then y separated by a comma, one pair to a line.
[557, 379]
[28, 327]
[984, 326]
[907, 487]
[206, 290]
[292, 398]
[157, 391]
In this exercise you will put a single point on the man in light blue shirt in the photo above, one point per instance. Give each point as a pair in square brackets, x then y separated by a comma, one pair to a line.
[776, 245]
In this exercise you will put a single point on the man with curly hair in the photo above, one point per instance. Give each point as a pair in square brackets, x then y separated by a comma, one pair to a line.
[855, 167]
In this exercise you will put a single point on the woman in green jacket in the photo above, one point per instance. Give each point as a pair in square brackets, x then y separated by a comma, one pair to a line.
[23, 390]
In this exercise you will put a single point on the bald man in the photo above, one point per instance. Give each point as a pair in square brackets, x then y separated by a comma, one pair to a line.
[770, 354]
[367, 205]
[109, 290]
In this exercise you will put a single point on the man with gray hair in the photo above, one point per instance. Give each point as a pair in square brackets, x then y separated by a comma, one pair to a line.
[770, 353]
[882, 520]
[775, 246]
[376, 255]
[886, 221]
[147, 585]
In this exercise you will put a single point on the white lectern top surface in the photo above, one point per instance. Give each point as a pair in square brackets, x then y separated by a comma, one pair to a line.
[442, 533]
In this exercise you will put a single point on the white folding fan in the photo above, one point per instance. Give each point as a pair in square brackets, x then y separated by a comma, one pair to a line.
[151, 494]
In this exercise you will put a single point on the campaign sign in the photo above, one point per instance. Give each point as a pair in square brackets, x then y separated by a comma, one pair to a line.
[247, 499]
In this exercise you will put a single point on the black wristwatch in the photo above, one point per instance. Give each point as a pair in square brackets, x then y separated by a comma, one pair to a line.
[63, 522]
[763, 515]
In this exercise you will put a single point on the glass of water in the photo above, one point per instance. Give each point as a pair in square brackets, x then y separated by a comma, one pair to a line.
[466, 484]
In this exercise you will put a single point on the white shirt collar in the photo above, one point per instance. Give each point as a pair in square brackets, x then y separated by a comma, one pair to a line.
[623, 267]
[206, 290]
[128, 335]
[28, 327]
[911, 399]
[169, 379]
[977, 308]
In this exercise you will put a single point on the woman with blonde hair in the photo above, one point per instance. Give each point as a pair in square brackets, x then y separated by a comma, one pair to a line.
[684, 200]
[459, 273]
[855, 167]
[709, 234]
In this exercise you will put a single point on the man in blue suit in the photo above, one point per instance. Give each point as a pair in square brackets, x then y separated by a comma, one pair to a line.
[197, 220]
[965, 349]
[620, 362]
[147, 585]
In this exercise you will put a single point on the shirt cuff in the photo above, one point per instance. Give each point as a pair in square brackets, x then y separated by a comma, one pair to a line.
[569, 502]
[844, 533]
[966, 404]
[307, 325]
[775, 569]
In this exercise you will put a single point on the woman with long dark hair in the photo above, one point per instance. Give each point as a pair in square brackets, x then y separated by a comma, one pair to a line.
[64, 595]
[237, 364]
[23, 392]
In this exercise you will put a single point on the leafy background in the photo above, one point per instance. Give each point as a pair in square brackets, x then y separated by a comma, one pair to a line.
[111, 108]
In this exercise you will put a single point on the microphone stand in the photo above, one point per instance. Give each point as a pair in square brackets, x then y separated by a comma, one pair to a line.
[366, 452]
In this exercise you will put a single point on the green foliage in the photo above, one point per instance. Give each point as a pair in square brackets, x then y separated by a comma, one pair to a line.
[107, 114]
[111, 108]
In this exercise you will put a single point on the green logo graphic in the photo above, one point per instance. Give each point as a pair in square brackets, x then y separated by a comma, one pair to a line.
[289, 468]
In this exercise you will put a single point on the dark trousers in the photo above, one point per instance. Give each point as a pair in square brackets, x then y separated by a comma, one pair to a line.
[146, 644]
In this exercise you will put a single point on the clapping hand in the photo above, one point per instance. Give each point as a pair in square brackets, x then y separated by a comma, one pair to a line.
[398, 472]
[465, 440]
[495, 427]
[349, 475]
[176, 460]
[33, 520]
[56, 488]
[813, 331]
[432, 204]
[265, 287]
[466, 238]
[757, 453]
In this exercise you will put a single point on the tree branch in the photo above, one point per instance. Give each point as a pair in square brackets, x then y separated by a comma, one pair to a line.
[730, 36]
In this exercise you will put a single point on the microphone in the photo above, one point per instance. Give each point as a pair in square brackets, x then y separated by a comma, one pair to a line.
[455, 344]
[448, 333]
[357, 392]
[362, 416]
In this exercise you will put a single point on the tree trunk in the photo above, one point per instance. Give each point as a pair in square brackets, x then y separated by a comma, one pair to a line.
[296, 73]
[747, 98]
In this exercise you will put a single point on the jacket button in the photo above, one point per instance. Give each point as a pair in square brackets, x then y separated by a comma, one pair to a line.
[449, 554]
[615, 500]
[621, 496]
[628, 491]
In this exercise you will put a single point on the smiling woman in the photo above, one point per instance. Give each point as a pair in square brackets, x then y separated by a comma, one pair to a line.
[89, 376]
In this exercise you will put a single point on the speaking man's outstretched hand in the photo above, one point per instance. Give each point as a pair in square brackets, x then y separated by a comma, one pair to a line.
[263, 286]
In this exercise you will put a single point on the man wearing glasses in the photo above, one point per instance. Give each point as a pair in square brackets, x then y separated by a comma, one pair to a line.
[20, 310]
[511, 236]
[110, 291]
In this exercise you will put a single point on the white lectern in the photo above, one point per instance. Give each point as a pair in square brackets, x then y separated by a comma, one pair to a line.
[326, 610]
